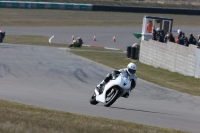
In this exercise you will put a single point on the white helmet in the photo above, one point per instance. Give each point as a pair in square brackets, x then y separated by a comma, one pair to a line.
[131, 68]
[178, 31]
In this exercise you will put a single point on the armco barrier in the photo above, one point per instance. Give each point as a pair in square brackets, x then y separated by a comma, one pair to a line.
[45, 5]
[145, 9]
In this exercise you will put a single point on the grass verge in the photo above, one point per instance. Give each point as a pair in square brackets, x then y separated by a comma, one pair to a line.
[63, 18]
[18, 118]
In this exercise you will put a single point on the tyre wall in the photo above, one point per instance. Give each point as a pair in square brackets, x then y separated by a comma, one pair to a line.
[45, 5]
[91, 7]
[145, 10]
[171, 56]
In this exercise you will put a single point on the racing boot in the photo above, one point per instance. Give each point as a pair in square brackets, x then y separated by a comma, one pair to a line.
[126, 95]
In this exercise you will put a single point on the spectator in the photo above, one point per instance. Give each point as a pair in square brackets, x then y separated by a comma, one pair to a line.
[149, 27]
[181, 39]
[172, 39]
[161, 36]
[169, 38]
[155, 35]
[179, 35]
[198, 41]
[185, 42]
[3, 34]
[192, 40]
[166, 37]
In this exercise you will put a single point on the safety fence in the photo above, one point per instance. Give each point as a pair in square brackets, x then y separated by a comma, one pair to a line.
[45, 5]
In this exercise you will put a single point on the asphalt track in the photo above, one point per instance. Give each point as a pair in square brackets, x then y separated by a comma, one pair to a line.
[52, 78]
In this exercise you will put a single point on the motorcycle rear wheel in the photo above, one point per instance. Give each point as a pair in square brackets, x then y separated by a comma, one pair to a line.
[93, 99]
[111, 97]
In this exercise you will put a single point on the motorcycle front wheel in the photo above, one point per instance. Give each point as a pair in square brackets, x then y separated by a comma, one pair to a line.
[93, 99]
[111, 97]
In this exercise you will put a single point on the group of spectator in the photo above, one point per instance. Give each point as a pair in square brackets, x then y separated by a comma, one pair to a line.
[160, 36]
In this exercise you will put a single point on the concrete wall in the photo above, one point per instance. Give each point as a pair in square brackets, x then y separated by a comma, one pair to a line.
[171, 56]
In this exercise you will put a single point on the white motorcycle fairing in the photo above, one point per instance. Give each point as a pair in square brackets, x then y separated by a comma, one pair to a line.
[121, 81]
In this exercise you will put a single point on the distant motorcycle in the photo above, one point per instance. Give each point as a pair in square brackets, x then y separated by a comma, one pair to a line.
[109, 93]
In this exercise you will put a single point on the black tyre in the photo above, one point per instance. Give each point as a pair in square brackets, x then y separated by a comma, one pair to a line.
[133, 53]
[93, 99]
[128, 53]
[111, 97]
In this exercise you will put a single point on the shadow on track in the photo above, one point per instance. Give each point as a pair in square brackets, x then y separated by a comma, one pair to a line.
[139, 110]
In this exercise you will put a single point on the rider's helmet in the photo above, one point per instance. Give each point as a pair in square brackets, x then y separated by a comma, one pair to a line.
[131, 68]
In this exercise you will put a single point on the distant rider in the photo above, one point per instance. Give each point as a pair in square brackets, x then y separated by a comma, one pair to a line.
[77, 43]
[129, 72]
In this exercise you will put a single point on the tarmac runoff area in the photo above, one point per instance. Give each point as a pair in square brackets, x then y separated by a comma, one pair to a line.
[52, 78]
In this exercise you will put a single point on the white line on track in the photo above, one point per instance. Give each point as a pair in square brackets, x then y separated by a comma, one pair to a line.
[112, 48]
[91, 50]
[51, 38]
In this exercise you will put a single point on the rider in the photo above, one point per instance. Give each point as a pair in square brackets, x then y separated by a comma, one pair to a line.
[80, 41]
[129, 72]
[77, 43]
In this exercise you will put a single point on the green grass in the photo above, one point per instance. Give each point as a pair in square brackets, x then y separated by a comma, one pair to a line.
[66, 18]
[18, 118]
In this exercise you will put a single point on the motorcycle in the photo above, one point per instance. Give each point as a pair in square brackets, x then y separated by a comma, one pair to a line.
[111, 91]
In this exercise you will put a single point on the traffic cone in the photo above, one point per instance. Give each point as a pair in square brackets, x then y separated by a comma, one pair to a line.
[94, 39]
[72, 37]
[114, 40]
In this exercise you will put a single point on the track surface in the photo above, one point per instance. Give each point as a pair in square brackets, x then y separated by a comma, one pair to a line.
[53, 78]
